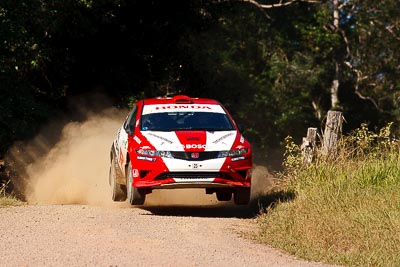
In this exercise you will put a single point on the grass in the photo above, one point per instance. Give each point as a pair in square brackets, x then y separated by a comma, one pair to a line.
[6, 199]
[345, 211]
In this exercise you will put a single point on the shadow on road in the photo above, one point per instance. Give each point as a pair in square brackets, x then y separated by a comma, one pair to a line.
[215, 211]
[262, 203]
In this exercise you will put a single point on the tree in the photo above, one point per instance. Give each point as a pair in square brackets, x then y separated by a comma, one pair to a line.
[373, 46]
[360, 39]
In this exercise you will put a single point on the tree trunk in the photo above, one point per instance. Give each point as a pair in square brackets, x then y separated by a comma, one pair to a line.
[335, 82]
[335, 4]
[335, 88]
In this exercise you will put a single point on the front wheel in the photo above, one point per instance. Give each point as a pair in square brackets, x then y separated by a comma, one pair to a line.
[241, 196]
[136, 196]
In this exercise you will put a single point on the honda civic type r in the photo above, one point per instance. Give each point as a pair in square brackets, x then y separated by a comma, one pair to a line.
[180, 142]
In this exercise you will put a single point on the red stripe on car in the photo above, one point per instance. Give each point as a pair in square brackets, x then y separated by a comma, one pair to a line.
[192, 141]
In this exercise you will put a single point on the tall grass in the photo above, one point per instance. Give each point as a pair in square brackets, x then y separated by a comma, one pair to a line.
[346, 210]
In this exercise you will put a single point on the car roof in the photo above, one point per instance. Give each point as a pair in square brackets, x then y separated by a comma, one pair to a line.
[179, 99]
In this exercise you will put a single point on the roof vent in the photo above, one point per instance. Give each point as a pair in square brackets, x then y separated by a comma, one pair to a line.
[182, 99]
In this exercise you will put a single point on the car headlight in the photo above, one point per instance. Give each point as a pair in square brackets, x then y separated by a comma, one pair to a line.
[164, 154]
[233, 153]
[153, 153]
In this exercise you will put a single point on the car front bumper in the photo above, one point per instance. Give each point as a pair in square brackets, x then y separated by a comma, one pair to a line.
[161, 173]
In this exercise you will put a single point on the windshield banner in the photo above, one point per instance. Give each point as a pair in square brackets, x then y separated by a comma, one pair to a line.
[148, 109]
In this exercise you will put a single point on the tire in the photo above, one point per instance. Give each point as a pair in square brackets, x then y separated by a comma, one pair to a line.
[136, 196]
[241, 196]
[117, 190]
[224, 195]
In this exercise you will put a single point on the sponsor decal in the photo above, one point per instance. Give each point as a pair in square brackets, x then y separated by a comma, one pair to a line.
[162, 138]
[195, 155]
[146, 158]
[238, 158]
[137, 123]
[135, 173]
[240, 147]
[145, 147]
[222, 138]
[159, 108]
[200, 146]
[173, 107]
[241, 139]
[137, 139]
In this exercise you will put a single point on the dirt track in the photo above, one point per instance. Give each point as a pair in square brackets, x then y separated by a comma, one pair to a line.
[77, 235]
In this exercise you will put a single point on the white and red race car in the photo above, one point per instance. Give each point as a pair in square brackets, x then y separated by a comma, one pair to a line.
[180, 142]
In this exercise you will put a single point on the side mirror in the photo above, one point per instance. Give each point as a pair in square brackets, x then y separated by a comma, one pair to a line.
[128, 129]
[241, 127]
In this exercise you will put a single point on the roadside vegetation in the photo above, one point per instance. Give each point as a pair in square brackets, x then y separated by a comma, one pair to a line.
[7, 199]
[342, 211]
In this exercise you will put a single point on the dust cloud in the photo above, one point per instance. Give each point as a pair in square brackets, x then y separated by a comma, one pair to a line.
[262, 181]
[75, 169]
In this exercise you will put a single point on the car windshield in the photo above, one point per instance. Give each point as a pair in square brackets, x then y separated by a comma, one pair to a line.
[180, 121]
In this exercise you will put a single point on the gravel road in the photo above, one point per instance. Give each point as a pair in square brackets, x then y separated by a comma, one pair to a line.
[121, 235]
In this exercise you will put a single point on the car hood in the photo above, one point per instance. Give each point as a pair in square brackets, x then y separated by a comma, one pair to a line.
[191, 140]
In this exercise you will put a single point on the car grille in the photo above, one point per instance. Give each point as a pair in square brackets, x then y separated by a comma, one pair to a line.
[193, 175]
[197, 156]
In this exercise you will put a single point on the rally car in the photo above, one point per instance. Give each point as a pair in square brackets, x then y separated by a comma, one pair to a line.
[180, 142]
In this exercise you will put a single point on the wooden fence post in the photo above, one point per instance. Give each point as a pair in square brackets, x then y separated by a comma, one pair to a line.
[333, 130]
[308, 146]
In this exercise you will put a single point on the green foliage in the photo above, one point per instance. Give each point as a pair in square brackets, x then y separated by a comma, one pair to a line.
[54, 49]
[132, 100]
[240, 60]
[373, 31]
[366, 143]
[292, 155]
